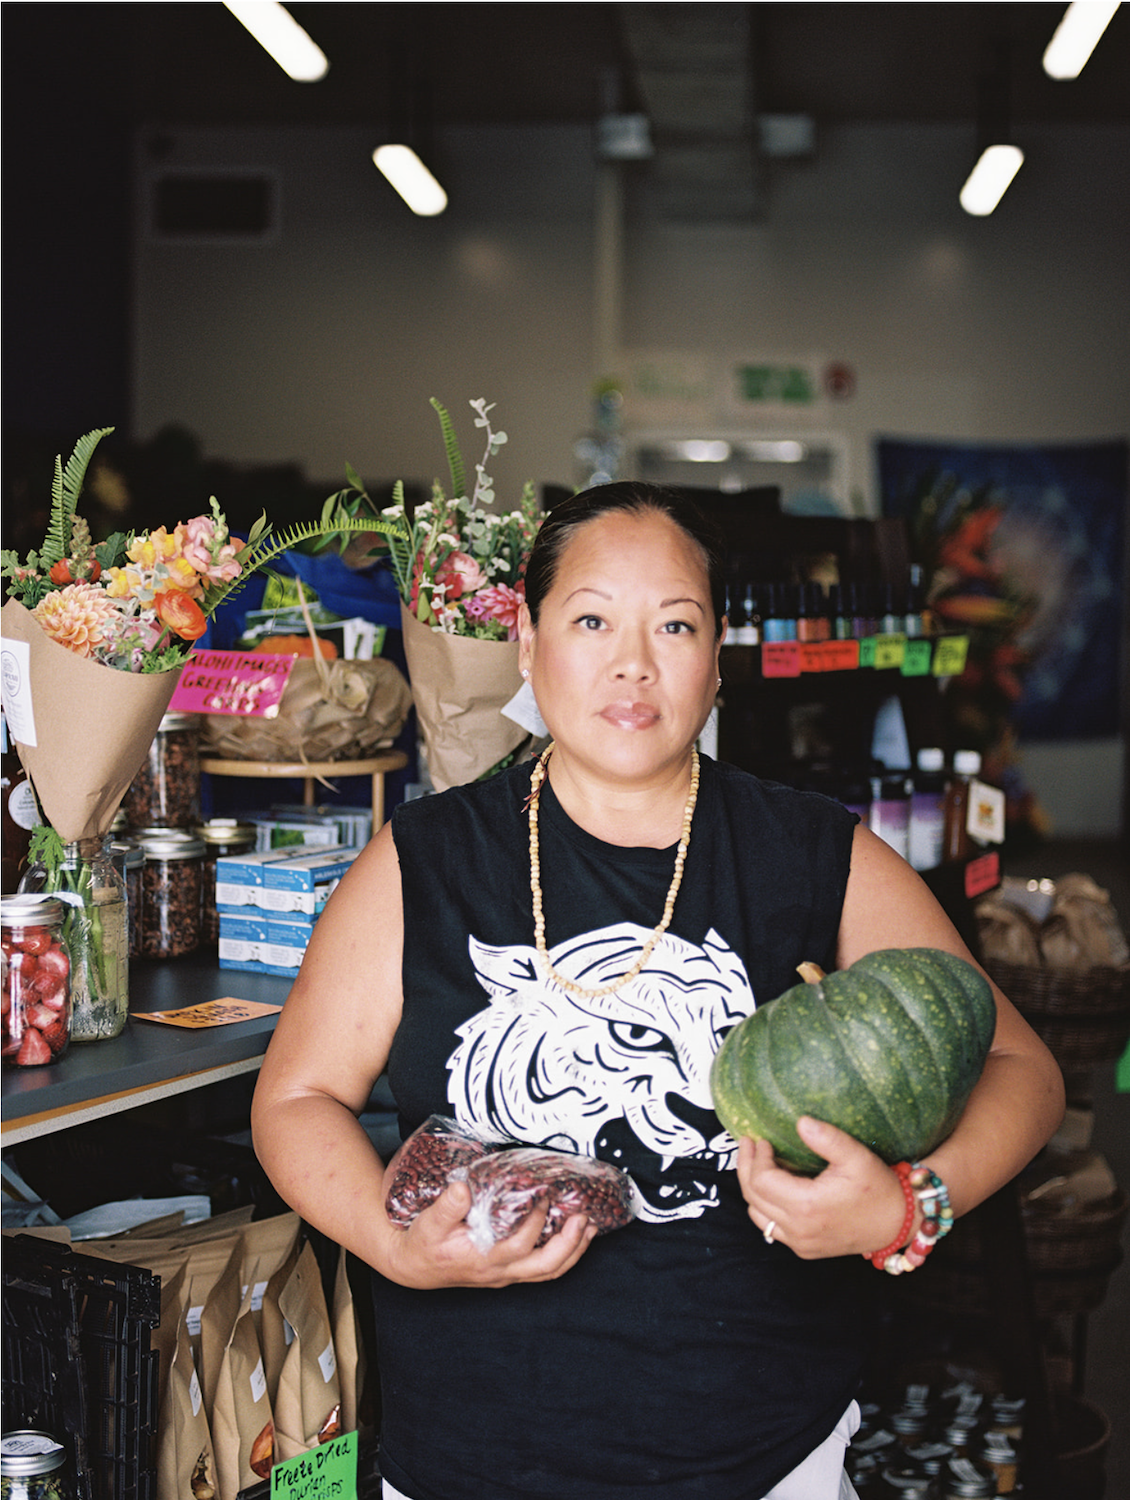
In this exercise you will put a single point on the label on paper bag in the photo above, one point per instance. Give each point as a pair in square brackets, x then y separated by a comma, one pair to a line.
[15, 675]
[242, 683]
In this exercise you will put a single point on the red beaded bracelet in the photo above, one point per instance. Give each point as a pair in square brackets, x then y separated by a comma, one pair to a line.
[879, 1258]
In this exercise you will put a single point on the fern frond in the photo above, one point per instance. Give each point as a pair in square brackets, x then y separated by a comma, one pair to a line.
[270, 546]
[451, 447]
[65, 490]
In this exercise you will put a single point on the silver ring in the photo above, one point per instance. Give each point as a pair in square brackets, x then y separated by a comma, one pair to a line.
[767, 1234]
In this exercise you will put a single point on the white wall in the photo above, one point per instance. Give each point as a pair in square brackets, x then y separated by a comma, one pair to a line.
[325, 345]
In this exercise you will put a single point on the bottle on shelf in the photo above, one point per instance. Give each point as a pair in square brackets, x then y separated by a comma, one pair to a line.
[890, 809]
[957, 844]
[928, 809]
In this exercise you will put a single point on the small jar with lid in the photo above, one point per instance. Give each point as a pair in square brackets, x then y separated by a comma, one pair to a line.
[166, 790]
[222, 836]
[172, 886]
[33, 1466]
[906, 1481]
[968, 1479]
[997, 1451]
[37, 981]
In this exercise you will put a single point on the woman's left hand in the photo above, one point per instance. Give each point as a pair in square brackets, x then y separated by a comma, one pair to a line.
[854, 1207]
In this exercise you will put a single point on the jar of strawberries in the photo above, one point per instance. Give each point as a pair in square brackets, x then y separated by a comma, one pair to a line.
[36, 996]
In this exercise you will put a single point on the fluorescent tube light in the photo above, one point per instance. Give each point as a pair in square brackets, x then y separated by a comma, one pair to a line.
[985, 186]
[276, 30]
[411, 179]
[1083, 22]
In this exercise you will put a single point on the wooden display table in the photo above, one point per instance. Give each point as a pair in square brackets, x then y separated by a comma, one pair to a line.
[311, 771]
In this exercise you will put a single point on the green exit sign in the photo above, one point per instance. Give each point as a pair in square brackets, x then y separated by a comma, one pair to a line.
[790, 385]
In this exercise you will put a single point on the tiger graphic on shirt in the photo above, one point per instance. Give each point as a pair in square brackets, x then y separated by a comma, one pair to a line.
[623, 1076]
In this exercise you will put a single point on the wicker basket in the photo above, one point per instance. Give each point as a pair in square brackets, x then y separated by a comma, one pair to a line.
[1083, 1015]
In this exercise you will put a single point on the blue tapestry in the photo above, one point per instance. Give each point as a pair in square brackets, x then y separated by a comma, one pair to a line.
[1056, 539]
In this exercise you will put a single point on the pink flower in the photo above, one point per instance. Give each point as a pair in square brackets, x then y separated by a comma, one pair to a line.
[208, 549]
[499, 602]
[461, 574]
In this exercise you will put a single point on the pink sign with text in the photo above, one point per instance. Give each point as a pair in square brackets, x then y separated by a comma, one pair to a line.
[232, 682]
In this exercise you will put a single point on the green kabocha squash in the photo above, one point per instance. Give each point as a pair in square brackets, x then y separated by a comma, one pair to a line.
[888, 1049]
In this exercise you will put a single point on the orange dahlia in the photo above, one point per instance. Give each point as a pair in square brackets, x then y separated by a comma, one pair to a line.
[75, 616]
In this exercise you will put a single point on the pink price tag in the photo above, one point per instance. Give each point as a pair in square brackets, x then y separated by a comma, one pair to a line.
[233, 682]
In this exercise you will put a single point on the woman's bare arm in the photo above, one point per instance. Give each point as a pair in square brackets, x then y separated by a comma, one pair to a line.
[856, 1204]
[331, 1044]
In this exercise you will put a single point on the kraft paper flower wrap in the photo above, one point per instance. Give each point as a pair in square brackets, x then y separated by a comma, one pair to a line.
[103, 630]
[459, 570]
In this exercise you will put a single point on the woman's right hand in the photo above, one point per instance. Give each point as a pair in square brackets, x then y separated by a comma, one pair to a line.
[436, 1249]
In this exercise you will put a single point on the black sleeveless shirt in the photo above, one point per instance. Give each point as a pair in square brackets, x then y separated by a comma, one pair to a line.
[681, 1356]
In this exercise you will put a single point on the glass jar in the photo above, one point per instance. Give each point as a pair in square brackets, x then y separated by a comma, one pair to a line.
[130, 859]
[967, 1479]
[172, 880]
[33, 1466]
[37, 981]
[166, 790]
[93, 894]
[221, 836]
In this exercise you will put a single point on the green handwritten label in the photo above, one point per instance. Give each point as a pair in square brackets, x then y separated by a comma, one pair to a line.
[950, 652]
[889, 651]
[916, 662]
[327, 1472]
[777, 383]
[867, 651]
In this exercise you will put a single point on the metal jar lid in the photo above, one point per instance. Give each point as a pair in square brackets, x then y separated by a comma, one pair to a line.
[172, 843]
[25, 1451]
[227, 831]
[28, 908]
[171, 722]
[132, 853]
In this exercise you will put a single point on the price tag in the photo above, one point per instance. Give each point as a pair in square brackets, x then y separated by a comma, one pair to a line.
[233, 682]
[982, 874]
[329, 1470]
[840, 656]
[780, 659]
[812, 656]
[867, 651]
[917, 658]
[950, 652]
[889, 651]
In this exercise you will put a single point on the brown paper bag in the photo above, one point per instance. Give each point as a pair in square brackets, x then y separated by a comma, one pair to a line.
[243, 1430]
[267, 1244]
[459, 686]
[308, 1404]
[93, 728]
[348, 1345]
[339, 710]
[275, 1333]
[185, 1466]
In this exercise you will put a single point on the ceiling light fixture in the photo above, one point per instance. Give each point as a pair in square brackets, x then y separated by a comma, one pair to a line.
[986, 184]
[278, 33]
[411, 179]
[1080, 27]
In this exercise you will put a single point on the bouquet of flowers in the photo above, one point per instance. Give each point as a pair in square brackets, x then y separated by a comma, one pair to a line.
[459, 570]
[95, 636]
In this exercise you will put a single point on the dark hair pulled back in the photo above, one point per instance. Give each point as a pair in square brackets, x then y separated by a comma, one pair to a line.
[635, 498]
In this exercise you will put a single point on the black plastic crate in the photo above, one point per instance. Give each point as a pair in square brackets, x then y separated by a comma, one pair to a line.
[78, 1362]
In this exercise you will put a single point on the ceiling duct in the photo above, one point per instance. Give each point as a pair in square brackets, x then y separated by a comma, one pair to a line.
[692, 67]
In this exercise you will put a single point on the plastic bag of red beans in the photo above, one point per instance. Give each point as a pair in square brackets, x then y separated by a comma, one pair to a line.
[507, 1182]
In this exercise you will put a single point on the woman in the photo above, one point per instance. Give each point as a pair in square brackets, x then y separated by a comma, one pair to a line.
[554, 955]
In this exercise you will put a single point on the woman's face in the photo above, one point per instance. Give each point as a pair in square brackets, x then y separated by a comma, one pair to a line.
[623, 662]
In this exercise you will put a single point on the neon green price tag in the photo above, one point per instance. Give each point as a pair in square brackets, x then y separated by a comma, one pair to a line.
[950, 652]
[867, 651]
[327, 1472]
[916, 661]
[889, 651]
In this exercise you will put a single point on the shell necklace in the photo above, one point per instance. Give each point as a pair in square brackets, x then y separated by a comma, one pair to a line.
[535, 886]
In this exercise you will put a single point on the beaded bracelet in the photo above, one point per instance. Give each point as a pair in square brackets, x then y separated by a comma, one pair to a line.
[879, 1258]
[937, 1220]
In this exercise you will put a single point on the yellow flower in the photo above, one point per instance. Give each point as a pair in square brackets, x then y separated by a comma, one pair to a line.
[75, 616]
[123, 583]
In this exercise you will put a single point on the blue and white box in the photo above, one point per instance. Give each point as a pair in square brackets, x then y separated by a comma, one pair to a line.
[305, 884]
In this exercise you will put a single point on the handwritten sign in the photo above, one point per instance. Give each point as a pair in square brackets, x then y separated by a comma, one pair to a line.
[889, 651]
[233, 682]
[916, 661]
[327, 1472]
[780, 659]
[950, 652]
[209, 1013]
